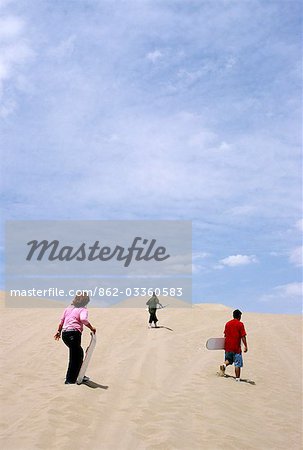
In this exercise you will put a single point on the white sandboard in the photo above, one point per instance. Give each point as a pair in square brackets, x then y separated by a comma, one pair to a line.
[215, 343]
[87, 358]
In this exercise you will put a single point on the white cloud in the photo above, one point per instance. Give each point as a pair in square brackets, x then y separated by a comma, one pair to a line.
[197, 257]
[64, 49]
[196, 268]
[10, 27]
[200, 255]
[231, 61]
[238, 260]
[14, 49]
[173, 140]
[131, 124]
[224, 146]
[290, 289]
[243, 210]
[14, 52]
[299, 225]
[7, 108]
[154, 56]
[284, 292]
[295, 256]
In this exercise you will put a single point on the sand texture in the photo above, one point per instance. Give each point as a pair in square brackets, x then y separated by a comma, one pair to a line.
[150, 388]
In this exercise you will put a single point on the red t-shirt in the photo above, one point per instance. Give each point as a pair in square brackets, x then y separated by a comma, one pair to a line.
[234, 331]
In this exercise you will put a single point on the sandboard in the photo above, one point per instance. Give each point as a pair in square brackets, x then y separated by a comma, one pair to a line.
[215, 343]
[87, 358]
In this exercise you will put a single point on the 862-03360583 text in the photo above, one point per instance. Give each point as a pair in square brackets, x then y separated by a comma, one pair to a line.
[99, 291]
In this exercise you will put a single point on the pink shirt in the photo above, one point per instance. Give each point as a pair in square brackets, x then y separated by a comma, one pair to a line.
[74, 318]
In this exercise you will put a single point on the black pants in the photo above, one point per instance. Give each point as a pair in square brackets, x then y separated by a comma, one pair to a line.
[73, 340]
[152, 315]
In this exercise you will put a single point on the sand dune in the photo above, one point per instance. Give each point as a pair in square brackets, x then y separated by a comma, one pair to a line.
[140, 302]
[152, 389]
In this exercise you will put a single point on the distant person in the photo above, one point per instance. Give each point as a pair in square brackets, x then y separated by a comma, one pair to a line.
[234, 333]
[71, 325]
[152, 304]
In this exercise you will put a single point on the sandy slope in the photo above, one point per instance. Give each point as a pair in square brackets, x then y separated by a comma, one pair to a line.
[155, 389]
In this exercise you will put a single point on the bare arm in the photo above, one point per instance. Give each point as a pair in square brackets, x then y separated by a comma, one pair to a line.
[159, 302]
[58, 334]
[245, 343]
[89, 325]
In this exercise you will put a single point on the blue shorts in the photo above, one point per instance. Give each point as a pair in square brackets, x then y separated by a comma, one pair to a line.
[234, 358]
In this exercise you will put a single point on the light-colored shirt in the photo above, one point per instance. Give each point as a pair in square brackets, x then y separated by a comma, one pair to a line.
[153, 302]
[74, 318]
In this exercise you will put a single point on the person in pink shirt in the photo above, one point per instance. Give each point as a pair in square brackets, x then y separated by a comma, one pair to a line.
[71, 325]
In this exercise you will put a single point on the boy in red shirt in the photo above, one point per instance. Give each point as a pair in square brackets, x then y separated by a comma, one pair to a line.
[234, 333]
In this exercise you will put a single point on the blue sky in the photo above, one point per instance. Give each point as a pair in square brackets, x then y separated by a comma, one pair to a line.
[163, 110]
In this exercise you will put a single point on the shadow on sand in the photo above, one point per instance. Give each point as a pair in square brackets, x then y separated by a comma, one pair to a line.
[243, 380]
[156, 328]
[91, 384]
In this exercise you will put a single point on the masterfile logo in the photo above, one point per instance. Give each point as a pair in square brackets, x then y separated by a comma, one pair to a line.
[144, 252]
[52, 256]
